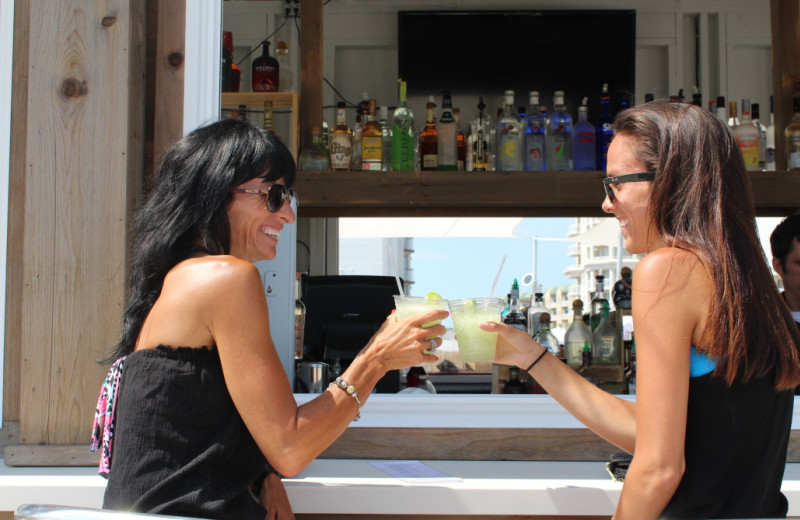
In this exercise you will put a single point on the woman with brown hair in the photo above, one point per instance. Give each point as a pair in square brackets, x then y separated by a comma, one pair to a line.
[717, 351]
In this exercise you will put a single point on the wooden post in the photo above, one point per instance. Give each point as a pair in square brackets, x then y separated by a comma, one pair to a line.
[785, 22]
[169, 69]
[311, 69]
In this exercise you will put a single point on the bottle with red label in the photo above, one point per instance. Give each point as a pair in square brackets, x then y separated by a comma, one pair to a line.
[265, 71]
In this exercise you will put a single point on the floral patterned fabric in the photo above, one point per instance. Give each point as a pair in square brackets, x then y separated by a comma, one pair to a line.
[103, 427]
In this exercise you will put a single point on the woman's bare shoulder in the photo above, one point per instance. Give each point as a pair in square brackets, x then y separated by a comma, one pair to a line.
[668, 264]
[213, 275]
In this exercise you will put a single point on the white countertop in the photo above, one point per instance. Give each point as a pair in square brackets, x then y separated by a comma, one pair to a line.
[356, 487]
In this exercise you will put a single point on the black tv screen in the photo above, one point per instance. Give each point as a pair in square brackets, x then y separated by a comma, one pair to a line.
[484, 53]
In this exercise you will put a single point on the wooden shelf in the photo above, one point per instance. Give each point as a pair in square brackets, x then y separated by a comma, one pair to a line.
[497, 194]
[255, 101]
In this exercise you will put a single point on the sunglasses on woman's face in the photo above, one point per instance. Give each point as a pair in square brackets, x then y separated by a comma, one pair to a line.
[273, 196]
[621, 179]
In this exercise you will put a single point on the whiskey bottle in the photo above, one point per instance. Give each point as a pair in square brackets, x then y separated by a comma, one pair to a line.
[403, 134]
[559, 136]
[447, 136]
[792, 136]
[266, 71]
[762, 137]
[534, 135]
[371, 141]
[461, 141]
[747, 136]
[605, 129]
[583, 141]
[577, 335]
[508, 137]
[428, 138]
[341, 142]
[314, 157]
[480, 129]
[606, 344]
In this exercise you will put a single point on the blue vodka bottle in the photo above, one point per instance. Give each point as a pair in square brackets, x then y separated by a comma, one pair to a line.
[605, 129]
[534, 135]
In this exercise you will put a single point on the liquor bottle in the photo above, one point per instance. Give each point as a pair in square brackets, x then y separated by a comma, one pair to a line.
[371, 141]
[697, 97]
[722, 112]
[733, 114]
[586, 356]
[243, 113]
[792, 136]
[325, 137]
[314, 157]
[605, 129]
[508, 137]
[265, 71]
[771, 137]
[428, 147]
[386, 133]
[403, 134]
[535, 160]
[649, 97]
[299, 317]
[267, 123]
[361, 117]
[598, 298]
[762, 137]
[514, 385]
[447, 136]
[287, 78]
[546, 338]
[480, 129]
[341, 142]
[747, 136]
[461, 141]
[606, 344]
[535, 311]
[559, 136]
[227, 62]
[625, 101]
[514, 318]
[577, 334]
[583, 141]
[630, 376]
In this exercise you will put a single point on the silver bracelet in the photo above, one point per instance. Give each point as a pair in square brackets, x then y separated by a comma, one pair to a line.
[349, 390]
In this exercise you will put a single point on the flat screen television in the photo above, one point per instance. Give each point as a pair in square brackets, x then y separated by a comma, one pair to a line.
[342, 314]
[484, 53]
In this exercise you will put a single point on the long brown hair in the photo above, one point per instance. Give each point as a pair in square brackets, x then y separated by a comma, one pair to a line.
[702, 202]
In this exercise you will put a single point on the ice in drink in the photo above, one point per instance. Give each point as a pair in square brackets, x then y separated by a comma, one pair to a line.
[475, 344]
[408, 306]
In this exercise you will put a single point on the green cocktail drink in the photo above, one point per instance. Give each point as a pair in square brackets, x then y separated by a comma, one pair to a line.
[474, 343]
[408, 306]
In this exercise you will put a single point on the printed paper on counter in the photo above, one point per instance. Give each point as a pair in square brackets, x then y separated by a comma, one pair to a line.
[413, 471]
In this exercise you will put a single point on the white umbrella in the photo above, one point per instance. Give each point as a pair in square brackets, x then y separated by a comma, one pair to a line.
[495, 227]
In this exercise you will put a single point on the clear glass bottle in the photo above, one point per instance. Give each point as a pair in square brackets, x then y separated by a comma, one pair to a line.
[447, 136]
[535, 311]
[428, 139]
[341, 147]
[606, 343]
[762, 137]
[583, 141]
[299, 317]
[314, 157]
[514, 385]
[287, 77]
[747, 136]
[599, 296]
[386, 132]
[559, 136]
[605, 129]
[535, 123]
[733, 114]
[577, 334]
[361, 117]
[461, 141]
[546, 338]
[508, 137]
[792, 137]
[479, 140]
[403, 134]
[771, 164]
[265, 71]
[722, 111]
[514, 317]
[372, 141]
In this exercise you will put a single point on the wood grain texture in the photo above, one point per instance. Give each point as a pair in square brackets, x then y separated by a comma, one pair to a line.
[76, 204]
[785, 29]
[169, 75]
[311, 69]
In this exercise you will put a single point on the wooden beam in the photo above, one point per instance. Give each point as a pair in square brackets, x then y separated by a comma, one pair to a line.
[785, 24]
[169, 69]
[310, 69]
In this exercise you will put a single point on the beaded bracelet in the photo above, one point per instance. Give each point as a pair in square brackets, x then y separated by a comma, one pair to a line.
[349, 390]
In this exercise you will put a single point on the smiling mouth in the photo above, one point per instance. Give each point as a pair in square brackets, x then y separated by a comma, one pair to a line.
[274, 233]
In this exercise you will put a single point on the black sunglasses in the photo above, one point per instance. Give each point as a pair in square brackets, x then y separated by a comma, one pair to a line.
[621, 179]
[273, 196]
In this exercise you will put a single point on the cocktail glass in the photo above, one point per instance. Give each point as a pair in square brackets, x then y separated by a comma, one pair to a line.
[475, 344]
[408, 306]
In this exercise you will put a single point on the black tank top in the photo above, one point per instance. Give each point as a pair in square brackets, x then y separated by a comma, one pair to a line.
[180, 447]
[736, 442]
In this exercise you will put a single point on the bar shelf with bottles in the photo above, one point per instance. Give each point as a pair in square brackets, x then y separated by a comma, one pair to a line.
[280, 101]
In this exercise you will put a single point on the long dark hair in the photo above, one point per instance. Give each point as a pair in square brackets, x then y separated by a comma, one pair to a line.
[187, 207]
[702, 202]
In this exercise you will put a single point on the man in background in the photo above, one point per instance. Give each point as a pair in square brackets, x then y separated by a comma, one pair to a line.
[785, 244]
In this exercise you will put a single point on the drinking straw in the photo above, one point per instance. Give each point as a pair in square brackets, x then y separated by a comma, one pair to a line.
[496, 278]
[394, 268]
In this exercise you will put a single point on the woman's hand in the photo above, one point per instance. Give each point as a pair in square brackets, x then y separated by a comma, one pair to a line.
[514, 346]
[274, 499]
[400, 343]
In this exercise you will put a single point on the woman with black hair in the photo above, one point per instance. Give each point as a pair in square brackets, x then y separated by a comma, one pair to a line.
[717, 351]
[197, 414]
